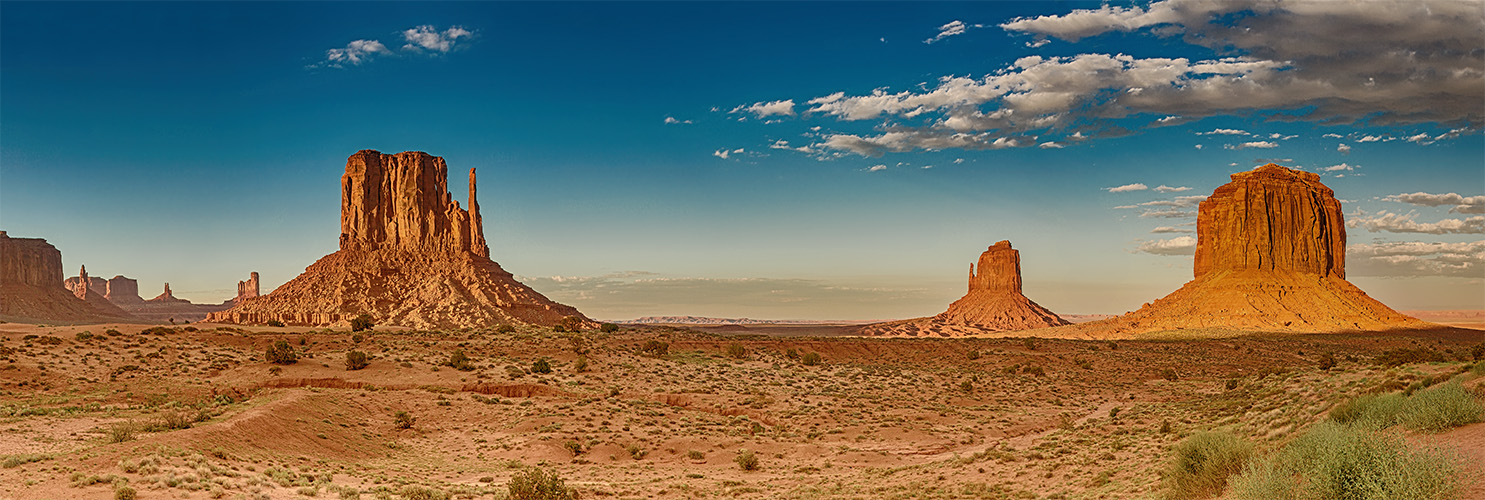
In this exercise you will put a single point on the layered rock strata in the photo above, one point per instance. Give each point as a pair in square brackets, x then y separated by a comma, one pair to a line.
[31, 287]
[409, 255]
[1270, 256]
[994, 303]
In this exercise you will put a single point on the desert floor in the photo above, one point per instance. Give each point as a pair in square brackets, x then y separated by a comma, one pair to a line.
[196, 412]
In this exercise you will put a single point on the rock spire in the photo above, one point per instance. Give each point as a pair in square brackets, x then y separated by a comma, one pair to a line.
[994, 303]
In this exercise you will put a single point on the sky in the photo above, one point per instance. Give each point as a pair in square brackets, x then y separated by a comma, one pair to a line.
[831, 160]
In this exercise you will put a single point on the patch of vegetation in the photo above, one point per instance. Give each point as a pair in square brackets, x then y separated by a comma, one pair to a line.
[1434, 409]
[541, 366]
[737, 351]
[362, 323]
[459, 361]
[538, 484]
[654, 348]
[747, 460]
[1203, 462]
[13, 461]
[281, 353]
[608, 328]
[1399, 357]
[811, 359]
[356, 360]
[415, 492]
[120, 432]
[275, 323]
[581, 365]
[123, 492]
[1335, 461]
[505, 329]
[403, 420]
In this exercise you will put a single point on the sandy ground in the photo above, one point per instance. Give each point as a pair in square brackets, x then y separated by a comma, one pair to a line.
[876, 418]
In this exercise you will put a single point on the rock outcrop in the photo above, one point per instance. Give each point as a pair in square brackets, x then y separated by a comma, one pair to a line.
[1270, 256]
[247, 289]
[994, 303]
[409, 256]
[119, 290]
[31, 287]
[166, 297]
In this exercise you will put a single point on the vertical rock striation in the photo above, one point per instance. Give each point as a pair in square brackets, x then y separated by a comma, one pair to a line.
[409, 255]
[247, 289]
[1274, 219]
[994, 303]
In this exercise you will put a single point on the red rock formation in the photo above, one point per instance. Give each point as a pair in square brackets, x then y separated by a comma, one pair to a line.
[994, 303]
[247, 289]
[1270, 257]
[409, 255]
[31, 287]
[167, 298]
[123, 291]
[119, 290]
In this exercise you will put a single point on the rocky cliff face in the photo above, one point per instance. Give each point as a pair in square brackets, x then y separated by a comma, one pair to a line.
[31, 287]
[1271, 218]
[1270, 257]
[123, 291]
[994, 303]
[409, 256]
[247, 289]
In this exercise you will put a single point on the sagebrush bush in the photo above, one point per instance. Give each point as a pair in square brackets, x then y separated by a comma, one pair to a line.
[459, 361]
[811, 359]
[654, 348]
[541, 366]
[1203, 462]
[1336, 461]
[747, 460]
[538, 484]
[362, 322]
[1437, 408]
[737, 351]
[356, 360]
[281, 353]
[403, 420]
[608, 328]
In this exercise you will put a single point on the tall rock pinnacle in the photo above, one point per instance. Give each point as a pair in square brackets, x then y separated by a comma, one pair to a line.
[994, 303]
[402, 201]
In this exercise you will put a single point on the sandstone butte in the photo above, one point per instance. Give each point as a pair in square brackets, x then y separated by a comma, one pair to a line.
[1270, 256]
[409, 256]
[32, 289]
[994, 303]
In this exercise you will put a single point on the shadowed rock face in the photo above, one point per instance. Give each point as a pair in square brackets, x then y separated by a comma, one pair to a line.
[1271, 257]
[31, 287]
[994, 303]
[409, 256]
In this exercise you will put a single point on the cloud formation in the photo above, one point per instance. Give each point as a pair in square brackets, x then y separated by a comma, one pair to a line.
[1417, 258]
[426, 40]
[1462, 204]
[1384, 63]
[1254, 144]
[1180, 245]
[766, 109]
[1167, 189]
[1404, 223]
[1127, 188]
[955, 27]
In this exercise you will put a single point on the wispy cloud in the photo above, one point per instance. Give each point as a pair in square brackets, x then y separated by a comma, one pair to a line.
[1462, 204]
[1253, 144]
[1169, 229]
[1224, 131]
[766, 109]
[1167, 189]
[949, 29]
[1127, 188]
[1343, 149]
[1405, 223]
[1417, 258]
[1180, 245]
[671, 120]
[426, 40]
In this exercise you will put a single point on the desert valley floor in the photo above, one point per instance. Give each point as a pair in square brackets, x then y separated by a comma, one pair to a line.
[195, 411]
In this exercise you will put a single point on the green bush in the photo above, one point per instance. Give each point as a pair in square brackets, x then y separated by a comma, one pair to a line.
[403, 420]
[541, 366]
[281, 353]
[1434, 409]
[505, 329]
[736, 350]
[275, 323]
[1335, 461]
[356, 360]
[747, 460]
[654, 348]
[120, 432]
[1203, 462]
[124, 493]
[538, 484]
[362, 322]
[581, 365]
[811, 359]
[608, 328]
[459, 361]
[414, 492]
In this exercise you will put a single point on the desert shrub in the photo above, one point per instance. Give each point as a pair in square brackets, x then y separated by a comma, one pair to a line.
[1344, 462]
[811, 359]
[695, 455]
[1441, 407]
[581, 365]
[275, 323]
[538, 484]
[1169, 374]
[736, 350]
[1399, 357]
[1203, 462]
[747, 460]
[403, 420]
[572, 323]
[281, 353]
[84, 336]
[124, 493]
[120, 432]
[1477, 352]
[175, 420]
[355, 360]
[362, 323]
[1326, 361]
[559, 328]
[505, 329]
[1035, 370]
[541, 366]
[573, 447]
[608, 328]
[1029, 343]
[654, 348]
[414, 492]
[966, 386]
[636, 452]
[459, 361]
[791, 353]
[973, 355]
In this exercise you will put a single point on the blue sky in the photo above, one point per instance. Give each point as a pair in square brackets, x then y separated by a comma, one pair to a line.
[665, 158]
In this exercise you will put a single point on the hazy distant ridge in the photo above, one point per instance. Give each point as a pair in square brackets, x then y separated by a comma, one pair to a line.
[701, 320]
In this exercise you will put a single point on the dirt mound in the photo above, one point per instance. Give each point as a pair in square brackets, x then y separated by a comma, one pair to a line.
[409, 256]
[994, 303]
[1270, 256]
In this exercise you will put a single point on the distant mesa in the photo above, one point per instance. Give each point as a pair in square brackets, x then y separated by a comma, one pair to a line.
[409, 256]
[994, 303]
[1270, 256]
[32, 288]
[123, 292]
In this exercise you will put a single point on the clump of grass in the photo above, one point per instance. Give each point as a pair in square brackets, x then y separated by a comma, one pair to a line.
[541, 366]
[13, 461]
[124, 493]
[747, 460]
[581, 365]
[1345, 462]
[538, 484]
[459, 361]
[654, 348]
[414, 492]
[737, 351]
[1203, 462]
[362, 323]
[1434, 409]
[120, 432]
[403, 420]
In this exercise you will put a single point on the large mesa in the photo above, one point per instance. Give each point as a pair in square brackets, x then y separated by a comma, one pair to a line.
[1270, 256]
[409, 255]
[994, 303]
[32, 288]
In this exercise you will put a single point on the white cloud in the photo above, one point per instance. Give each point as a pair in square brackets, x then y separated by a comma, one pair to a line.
[1167, 189]
[876, 168]
[354, 53]
[1198, 146]
[1333, 136]
[765, 109]
[1050, 145]
[1127, 188]
[1422, 138]
[1463, 204]
[1169, 229]
[1405, 223]
[721, 153]
[1417, 258]
[1167, 213]
[1253, 144]
[1179, 202]
[952, 28]
[1340, 167]
[1224, 131]
[1343, 148]
[1038, 43]
[671, 120]
[427, 37]
[1180, 245]
[1370, 138]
